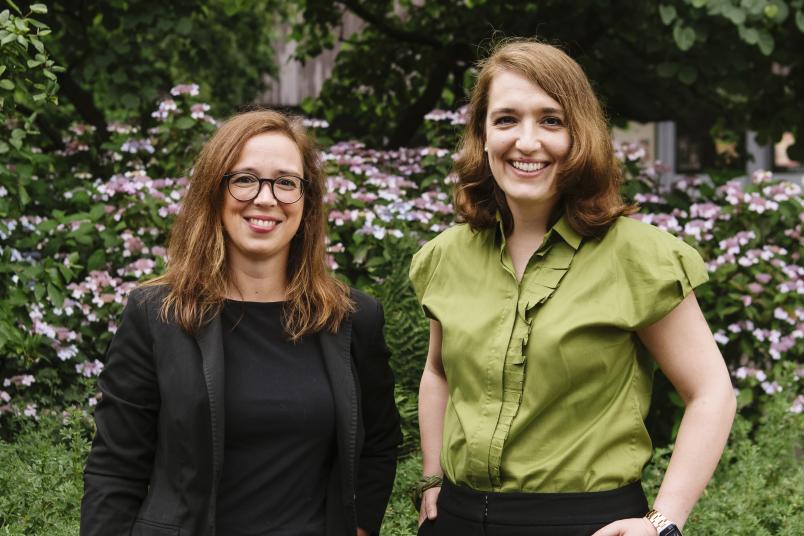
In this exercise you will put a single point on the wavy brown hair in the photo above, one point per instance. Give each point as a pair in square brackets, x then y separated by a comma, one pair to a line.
[589, 178]
[197, 276]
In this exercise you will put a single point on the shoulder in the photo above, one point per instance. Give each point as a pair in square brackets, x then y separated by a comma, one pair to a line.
[459, 241]
[368, 311]
[457, 236]
[146, 300]
[635, 238]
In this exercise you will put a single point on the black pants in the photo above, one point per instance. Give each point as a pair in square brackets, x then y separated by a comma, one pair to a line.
[465, 512]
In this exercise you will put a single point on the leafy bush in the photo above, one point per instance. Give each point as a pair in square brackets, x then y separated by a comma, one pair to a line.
[41, 484]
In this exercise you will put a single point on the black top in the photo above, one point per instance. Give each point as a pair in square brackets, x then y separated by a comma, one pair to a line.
[280, 429]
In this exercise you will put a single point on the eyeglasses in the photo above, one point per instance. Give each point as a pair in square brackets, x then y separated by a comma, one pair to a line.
[245, 186]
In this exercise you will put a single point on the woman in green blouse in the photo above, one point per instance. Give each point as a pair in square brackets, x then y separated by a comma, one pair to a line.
[549, 310]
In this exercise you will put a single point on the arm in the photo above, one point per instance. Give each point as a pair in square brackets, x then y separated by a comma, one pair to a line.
[433, 395]
[119, 465]
[683, 346]
[383, 435]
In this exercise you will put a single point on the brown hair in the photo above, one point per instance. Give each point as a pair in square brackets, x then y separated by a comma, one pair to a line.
[197, 275]
[590, 176]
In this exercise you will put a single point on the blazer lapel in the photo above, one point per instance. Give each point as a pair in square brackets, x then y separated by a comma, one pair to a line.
[210, 342]
[335, 348]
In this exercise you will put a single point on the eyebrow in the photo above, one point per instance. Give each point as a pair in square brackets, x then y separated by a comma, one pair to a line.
[279, 172]
[548, 110]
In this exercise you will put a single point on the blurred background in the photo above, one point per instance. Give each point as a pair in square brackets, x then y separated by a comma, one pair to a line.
[103, 105]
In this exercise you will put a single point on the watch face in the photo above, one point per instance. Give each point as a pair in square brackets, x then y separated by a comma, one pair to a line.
[671, 530]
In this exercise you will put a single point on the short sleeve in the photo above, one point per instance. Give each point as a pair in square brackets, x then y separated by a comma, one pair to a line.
[423, 266]
[661, 271]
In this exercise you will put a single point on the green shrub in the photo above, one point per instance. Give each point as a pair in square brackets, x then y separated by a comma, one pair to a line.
[41, 483]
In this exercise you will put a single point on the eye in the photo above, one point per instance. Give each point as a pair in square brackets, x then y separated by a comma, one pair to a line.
[243, 179]
[288, 183]
[553, 121]
[504, 120]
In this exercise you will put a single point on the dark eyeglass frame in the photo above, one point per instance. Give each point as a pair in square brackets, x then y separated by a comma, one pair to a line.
[262, 180]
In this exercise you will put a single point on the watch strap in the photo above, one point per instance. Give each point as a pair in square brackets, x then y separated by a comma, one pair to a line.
[663, 526]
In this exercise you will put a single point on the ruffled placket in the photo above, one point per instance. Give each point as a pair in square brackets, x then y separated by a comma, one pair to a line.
[543, 276]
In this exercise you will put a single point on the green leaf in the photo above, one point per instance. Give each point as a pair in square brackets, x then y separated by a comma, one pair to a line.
[55, 295]
[698, 3]
[688, 74]
[800, 21]
[183, 123]
[771, 10]
[49, 74]
[734, 14]
[184, 26]
[32, 64]
[97, 260]
[130, 101]
[749, 35]
[39, 97]
[4, 148]
[14, 6]
[38, 45]
[667, 13]
[684, 37]
[4, 16]
[23, 194]
[766, 42]
[2, 69]
[38, 8]
[7, 39]
[667, 69]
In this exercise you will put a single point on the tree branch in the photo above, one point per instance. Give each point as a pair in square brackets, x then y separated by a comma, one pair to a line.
[383, 25]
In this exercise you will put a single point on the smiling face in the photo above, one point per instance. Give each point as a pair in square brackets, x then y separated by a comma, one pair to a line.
[262, 229]
[526, 139]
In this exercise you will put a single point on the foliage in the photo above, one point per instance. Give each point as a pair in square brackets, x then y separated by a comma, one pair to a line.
[121, 56]
[708, 64]
[41, 483]
[27, 74]
[756, 489]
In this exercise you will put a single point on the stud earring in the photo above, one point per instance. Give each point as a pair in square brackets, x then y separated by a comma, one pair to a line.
[486, 148]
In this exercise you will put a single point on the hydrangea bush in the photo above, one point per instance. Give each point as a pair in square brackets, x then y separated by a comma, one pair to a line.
[84, 241]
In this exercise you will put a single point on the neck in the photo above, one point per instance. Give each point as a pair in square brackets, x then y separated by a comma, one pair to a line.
[263, 280]
[530, 221]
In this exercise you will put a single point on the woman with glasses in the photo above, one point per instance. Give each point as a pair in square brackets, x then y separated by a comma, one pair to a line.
[549, 311]
[247, 391]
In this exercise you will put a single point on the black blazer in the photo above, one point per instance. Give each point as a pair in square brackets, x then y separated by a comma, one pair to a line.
[156, 459]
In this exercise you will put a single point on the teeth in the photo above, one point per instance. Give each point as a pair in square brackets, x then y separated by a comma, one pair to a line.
[265, 224]
[528, 166]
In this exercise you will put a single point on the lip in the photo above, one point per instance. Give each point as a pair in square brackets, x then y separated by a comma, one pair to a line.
[257, 228]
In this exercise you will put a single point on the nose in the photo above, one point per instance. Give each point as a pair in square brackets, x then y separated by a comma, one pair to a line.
[265, 196]
[529, 139]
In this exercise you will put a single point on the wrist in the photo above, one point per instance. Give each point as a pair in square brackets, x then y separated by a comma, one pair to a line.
[425, 483]
[663, 526]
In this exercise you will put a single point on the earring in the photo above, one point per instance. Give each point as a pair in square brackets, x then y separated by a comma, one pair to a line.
[486, 148]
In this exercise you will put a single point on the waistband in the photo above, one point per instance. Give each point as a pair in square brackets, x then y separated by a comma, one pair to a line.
[523, 508]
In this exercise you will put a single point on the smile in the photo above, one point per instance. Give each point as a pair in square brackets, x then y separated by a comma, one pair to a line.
[529, 166]
[262, 224]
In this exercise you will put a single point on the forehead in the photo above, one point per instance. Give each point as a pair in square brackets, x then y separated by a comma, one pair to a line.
[270, 151]
[512, 90]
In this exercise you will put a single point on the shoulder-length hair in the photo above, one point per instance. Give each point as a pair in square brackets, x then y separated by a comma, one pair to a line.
[197, 275]
[589, 178]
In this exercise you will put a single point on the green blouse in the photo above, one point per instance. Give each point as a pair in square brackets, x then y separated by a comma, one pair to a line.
[549, 384]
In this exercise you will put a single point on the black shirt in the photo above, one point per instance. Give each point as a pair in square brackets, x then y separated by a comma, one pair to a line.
[280, 427]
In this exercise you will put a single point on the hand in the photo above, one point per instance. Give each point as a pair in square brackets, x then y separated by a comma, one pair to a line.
[428, 509]
[637, 526]
[362, 532]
